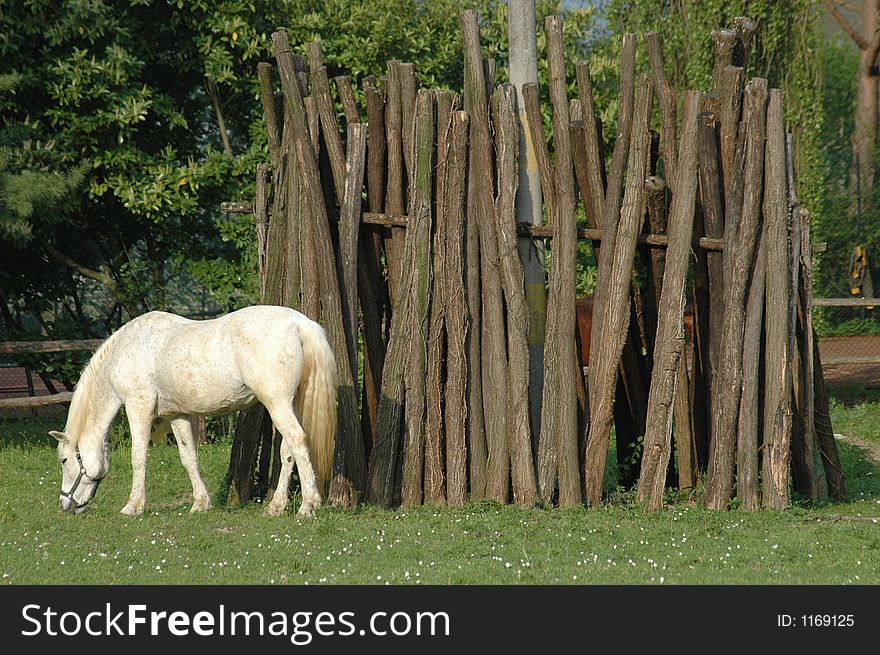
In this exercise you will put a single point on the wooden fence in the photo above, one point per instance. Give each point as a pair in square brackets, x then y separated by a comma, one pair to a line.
[421, 290]
[401, 239]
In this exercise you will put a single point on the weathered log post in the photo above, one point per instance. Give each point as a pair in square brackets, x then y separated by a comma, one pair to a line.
[808, 361]
[394, 180]
[435, 473]
[418, 263]
[614, 185]
[456, 409]
[494, 352]
[670, 325]
[776, 469]
[546, 448]
[348, 418]
[615, 268]
[372, 291]
[519, 436]
[559, 415]
[349, 229]
[727, 385]
[750, 426]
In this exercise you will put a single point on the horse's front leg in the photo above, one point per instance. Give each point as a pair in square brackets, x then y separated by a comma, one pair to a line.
[183, 434]
[139, 421]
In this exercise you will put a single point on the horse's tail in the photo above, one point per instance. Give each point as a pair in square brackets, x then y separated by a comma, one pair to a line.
[315, 401]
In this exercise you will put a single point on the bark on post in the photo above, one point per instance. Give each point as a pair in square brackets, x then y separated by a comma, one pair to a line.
[410, 310]
[670, 328]
[494, 355]
[614, 184]
[419, 266]
[395, 183]
[349, 227]
[456, 409]
[776, 467]
[615, 269]
[723, 44]
[546, 448]
[750, 424]
[330, 129]
[713, 225]
[731, 106]
[668, 107]
[593, 190]
[435, 473]
[559, 415]
[824, 432]
[346, 97]
[727, 385]
[519, 426]
[348, 418]
[807, 360]
[371, 288]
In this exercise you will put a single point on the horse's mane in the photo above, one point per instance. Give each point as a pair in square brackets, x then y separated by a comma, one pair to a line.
[81, 404]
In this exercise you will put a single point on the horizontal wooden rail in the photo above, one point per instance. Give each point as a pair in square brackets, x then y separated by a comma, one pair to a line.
[850, 359]
[523, 229]
[24, 347]
[29, 402]
[846, 302]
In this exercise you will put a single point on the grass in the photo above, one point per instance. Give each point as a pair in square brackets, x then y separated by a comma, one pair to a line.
[482, 543]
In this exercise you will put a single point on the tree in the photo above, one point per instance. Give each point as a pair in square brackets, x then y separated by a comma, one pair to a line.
[864, 135]
[100, 89]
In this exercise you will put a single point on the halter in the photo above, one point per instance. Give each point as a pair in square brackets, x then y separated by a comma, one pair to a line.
[82, 474]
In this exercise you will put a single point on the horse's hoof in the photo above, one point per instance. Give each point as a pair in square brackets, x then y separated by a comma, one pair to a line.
[201, 505]
[306, 511]
[130, 510]
[272, 511]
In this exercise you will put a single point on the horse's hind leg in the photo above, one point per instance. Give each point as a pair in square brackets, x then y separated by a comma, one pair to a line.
[183, 434]
[293, 447]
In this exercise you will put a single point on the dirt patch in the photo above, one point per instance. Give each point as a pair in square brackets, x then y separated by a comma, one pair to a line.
[834, 351]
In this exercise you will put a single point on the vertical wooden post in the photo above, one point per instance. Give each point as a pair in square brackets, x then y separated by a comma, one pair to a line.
[419, 290]
[523, 69]
[750, 424]
[348, 418]
[727, 385]
[778, 357]
[559, 415]
[371, 288]
[546, 450]
[807, 361]
[456, 409]
[435, 472]
[349, 228]
[494, 355]
[670, 328]
[519, 426]
[824, 433]
[615, 268]
[394, 193]
[346, 97]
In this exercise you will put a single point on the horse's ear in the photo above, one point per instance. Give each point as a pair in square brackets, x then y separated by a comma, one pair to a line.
[58, 435]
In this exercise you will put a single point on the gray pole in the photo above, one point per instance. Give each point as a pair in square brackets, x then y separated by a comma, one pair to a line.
[523, 58]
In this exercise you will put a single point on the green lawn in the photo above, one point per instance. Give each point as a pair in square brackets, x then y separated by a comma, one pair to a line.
[619, 543]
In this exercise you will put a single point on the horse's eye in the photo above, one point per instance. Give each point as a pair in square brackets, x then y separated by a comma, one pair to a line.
[63, 460]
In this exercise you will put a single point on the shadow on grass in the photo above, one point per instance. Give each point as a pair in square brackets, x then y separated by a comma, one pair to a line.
[853, 393]
[28, 433]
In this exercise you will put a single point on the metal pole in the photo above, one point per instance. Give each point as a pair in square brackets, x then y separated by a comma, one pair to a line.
[523, 58]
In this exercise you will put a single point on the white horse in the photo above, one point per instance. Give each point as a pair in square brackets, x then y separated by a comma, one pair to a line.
[163, 365]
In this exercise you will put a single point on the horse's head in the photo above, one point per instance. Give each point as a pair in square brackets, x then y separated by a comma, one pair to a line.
[83, 466]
